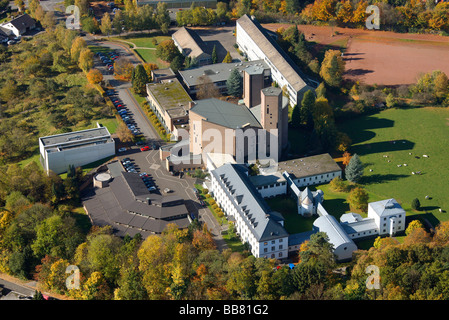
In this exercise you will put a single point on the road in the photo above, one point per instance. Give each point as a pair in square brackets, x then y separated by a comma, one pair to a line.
[123, 89]
[18, 289]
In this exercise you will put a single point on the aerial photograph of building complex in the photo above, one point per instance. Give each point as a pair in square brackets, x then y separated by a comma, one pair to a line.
[247, 151]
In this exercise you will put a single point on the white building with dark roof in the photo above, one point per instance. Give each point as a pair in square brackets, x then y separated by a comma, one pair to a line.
[257, 44]
[256, 224]
[19, 25]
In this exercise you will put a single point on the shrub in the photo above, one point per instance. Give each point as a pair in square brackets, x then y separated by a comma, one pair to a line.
[416, 205]
[338, 185]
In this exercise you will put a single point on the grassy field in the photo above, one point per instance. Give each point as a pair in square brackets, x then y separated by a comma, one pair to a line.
[404, 136]
[149, 56]
[146, 42]
[145, 47]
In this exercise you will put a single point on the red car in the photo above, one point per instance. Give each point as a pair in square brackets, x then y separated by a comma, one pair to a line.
[145, 148]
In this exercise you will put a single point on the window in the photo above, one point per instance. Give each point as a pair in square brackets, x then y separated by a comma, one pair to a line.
[265, 250]
[272, 248]
[280, 247]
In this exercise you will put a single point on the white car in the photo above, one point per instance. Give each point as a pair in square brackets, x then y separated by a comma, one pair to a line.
[122, 150]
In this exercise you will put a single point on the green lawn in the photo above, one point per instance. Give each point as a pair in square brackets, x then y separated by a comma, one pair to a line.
[149, 56]
[396, 133]
[146, 42]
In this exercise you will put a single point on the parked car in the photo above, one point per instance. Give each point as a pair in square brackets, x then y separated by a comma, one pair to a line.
[122, 150]
[152, 189]
[146, 148]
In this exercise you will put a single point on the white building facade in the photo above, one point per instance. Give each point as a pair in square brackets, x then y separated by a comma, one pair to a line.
[255, 223]
[75, 148]
[257, 45]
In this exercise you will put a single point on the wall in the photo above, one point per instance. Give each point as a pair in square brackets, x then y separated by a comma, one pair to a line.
[317, 179]
[273, 190]
[59, 161]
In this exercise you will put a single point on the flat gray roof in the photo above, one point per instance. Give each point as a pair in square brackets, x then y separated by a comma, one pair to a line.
[221, 71]
[309, 166]
[76, 136]
[226, 114]
[268, 179]
[171, 96]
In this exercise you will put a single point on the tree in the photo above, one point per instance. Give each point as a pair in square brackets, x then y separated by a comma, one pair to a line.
[162, 17]
[306, 110]
[416, 205]
[227, 58]
[123, 69]
[90, 24]
[214, 55]
[167, 50]
[130, 286]
[117, 22]
[415, 224]
[296, 117]
[206, 88]
[106, 24]
[48, 21]
[354, 170]
[177, 62]
[358, 199]
[32, 7]
[332, 68]
[139, 80]
[20, 5]
[235, 84]
[77, 45]
[123, 133]
[86, 59]
[338, 185]
[94, 76]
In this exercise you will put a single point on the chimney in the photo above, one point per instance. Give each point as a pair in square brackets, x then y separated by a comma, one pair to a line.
[191, 104]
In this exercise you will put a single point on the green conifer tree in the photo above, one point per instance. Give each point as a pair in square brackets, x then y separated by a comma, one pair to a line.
[354, 170]
[235, 84]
